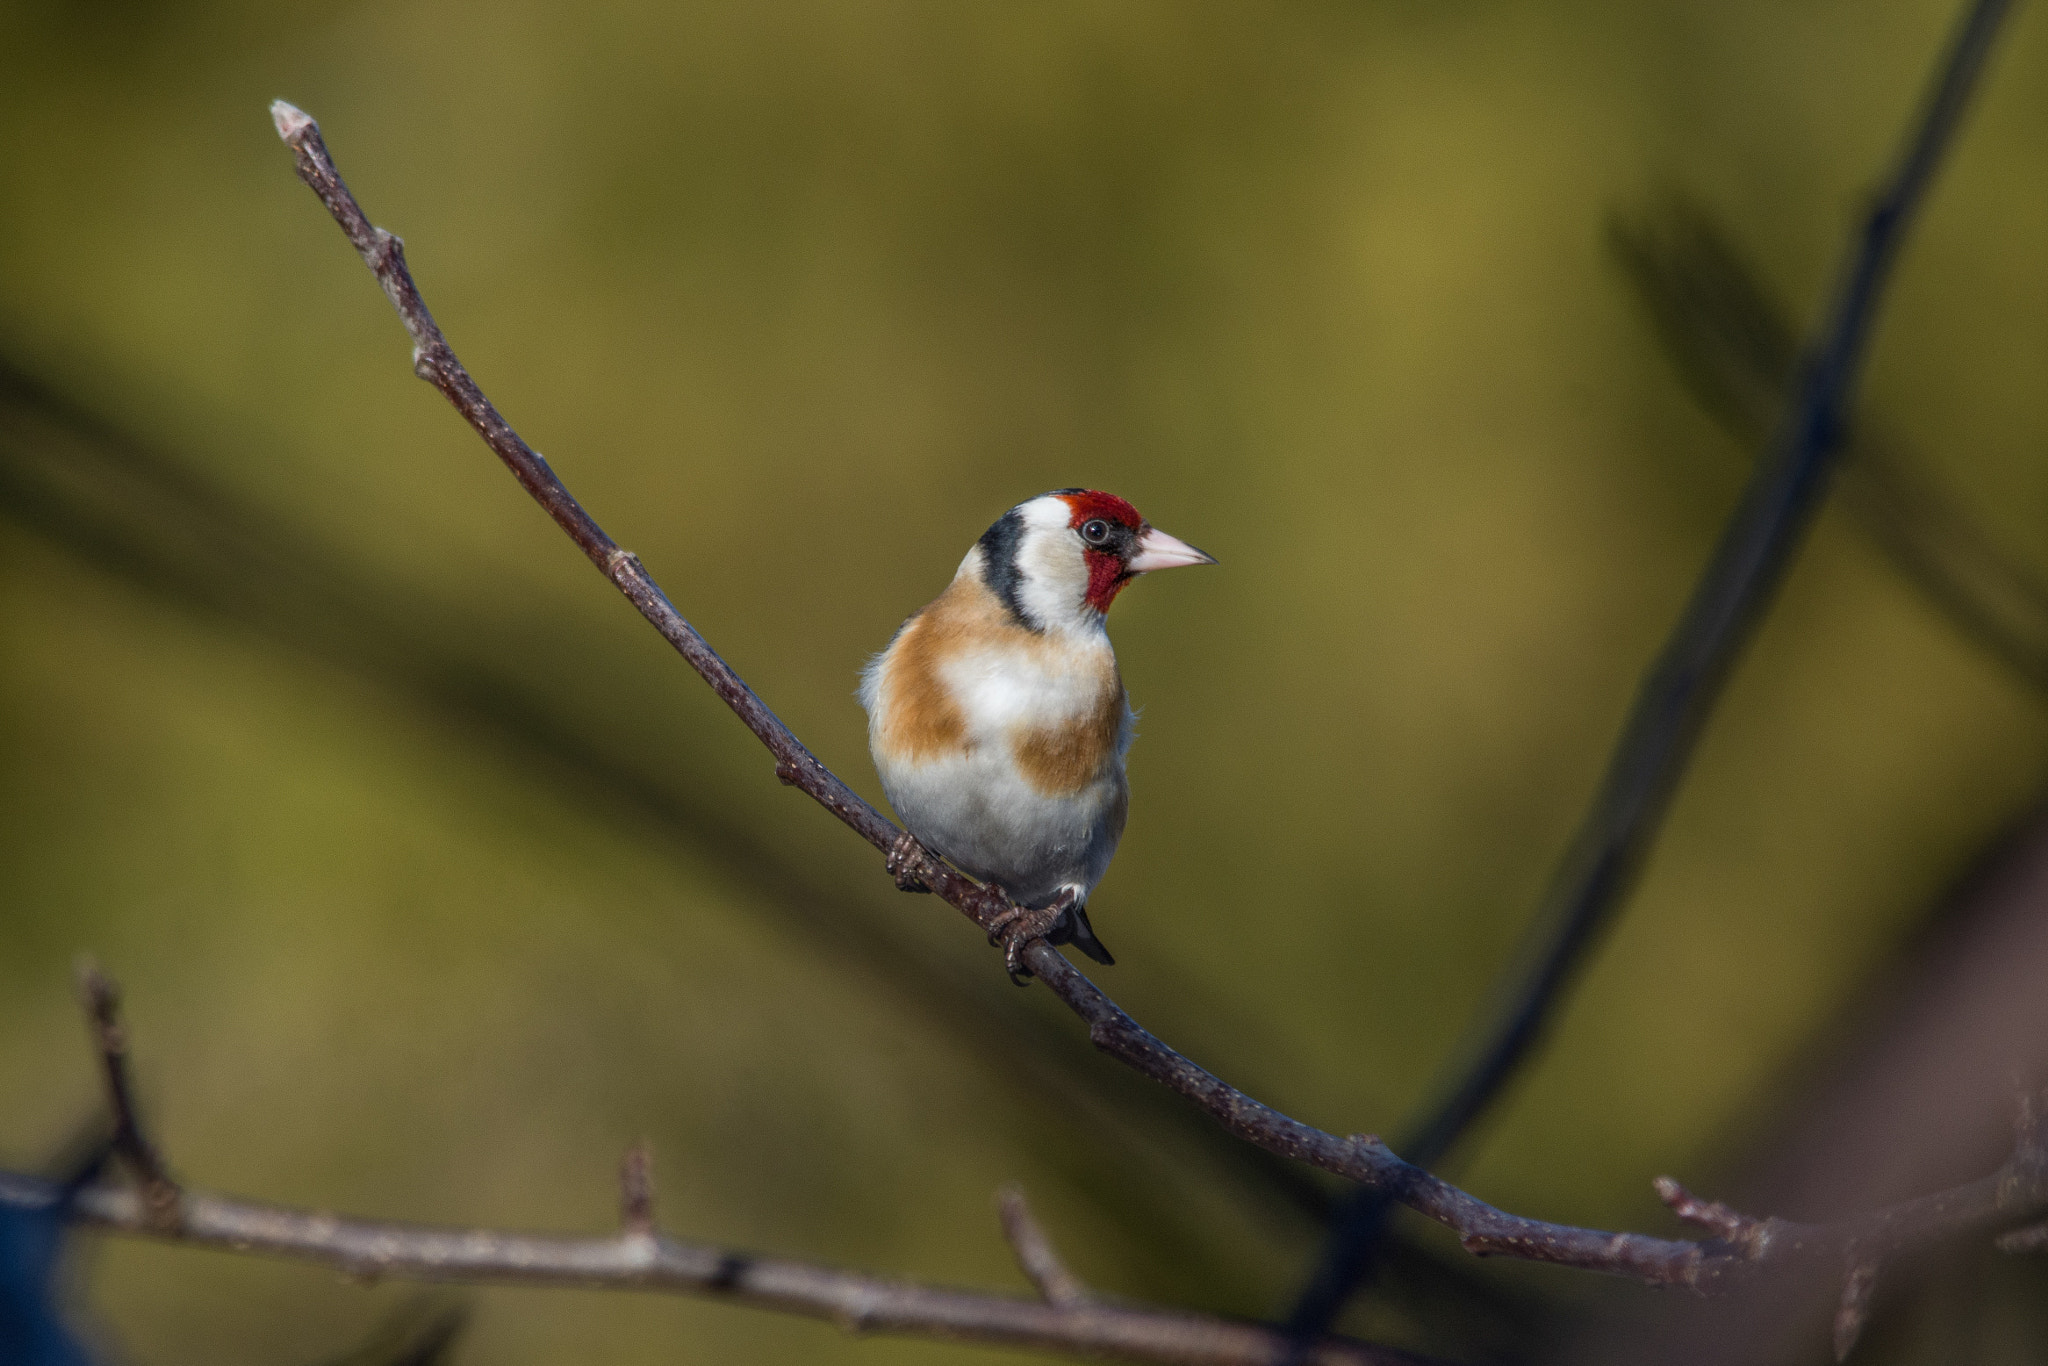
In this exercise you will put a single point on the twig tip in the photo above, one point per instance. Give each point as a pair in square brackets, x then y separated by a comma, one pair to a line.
[2033, 1238]
[100, 997]
[636, 1188]
[291, 120]
[1854, 1311]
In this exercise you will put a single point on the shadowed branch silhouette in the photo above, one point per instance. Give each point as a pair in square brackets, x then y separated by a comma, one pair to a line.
[1734, 345]
[1678, 693]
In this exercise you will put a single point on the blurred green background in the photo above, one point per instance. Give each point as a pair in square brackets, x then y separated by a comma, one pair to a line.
[426, 874]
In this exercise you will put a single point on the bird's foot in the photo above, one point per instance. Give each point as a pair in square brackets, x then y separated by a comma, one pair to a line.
[1016, 927]
[905, 857]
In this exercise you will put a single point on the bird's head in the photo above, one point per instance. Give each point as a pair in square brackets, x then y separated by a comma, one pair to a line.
[1060, 559]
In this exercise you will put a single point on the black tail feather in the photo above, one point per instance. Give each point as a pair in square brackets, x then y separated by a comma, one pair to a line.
[1081, 935]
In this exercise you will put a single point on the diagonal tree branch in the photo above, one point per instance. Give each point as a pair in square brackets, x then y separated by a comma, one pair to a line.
[128, 507]
[1678, 694]
[434, 362]
[2014, 1194]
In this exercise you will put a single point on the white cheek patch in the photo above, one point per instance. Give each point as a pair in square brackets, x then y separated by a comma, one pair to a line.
[1054, 584]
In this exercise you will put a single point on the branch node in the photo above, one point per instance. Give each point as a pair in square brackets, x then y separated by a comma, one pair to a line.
[101, 1000]
[787, 773]
[1731, 1225]
[636, 1191]
[1036, 1258]
[1854, 1310]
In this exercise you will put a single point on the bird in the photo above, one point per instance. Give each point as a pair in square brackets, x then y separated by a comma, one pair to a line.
[998, 720]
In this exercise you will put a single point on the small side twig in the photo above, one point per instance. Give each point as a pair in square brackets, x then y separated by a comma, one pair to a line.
[1859, 1287]
[857, 1301]
[1035, 1254]
[1731, 1226]
[102, 1002]
[2033, 1238]
[636, 1191]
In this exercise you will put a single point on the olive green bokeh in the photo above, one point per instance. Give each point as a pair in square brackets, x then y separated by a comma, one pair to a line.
[797, 300]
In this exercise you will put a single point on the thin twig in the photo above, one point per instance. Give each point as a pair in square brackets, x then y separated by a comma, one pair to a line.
[1859, 1288]
[857, 1302]
[1731, 1226]
[102, 1002]
[1362, 1158]
[636, 1190]
[2033, 1238]
[1679, 692]
[1036, 1257]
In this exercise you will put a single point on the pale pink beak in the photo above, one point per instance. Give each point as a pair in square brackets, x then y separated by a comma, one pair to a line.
[1157, 550]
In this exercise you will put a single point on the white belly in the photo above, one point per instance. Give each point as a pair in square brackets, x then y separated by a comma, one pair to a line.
[977, 810]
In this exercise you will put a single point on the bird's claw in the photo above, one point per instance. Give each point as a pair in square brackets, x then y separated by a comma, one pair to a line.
[903, 860]
[1016, 927]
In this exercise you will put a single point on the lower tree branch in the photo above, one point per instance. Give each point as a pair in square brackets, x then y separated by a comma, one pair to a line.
[655, 1262]
[1065, 1317]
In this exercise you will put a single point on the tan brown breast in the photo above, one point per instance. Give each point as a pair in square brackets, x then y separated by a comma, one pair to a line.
[1060, 760]
[922, 721]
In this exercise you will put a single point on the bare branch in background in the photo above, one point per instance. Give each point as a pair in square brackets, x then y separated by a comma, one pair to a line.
[1678, 694]
[857, 1302]
[1036, 1258]
[1732, 343]
[640, 1257]
[1909, 1088]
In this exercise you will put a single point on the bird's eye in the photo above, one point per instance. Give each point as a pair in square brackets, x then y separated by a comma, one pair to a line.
[1095, 532]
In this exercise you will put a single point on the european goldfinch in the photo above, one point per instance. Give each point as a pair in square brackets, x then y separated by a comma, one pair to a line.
[998, 720]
